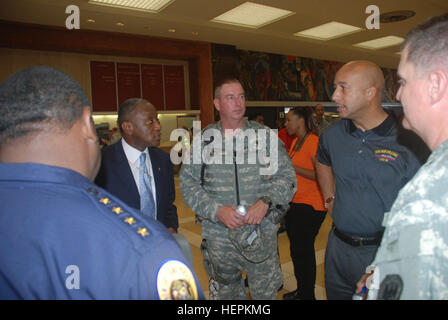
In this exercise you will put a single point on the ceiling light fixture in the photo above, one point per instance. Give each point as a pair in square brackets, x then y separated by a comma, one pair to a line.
[328, 31]
[395, 16]
[172, 30]
[120, 24]
[380, 43]
[145, 5]
[90, 20]
[252, 15]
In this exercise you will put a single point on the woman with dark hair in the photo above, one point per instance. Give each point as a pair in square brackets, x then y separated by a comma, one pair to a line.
[307, 210]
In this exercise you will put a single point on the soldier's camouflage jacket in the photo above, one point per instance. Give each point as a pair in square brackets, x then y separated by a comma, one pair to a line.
[226, 183]
[412, 261]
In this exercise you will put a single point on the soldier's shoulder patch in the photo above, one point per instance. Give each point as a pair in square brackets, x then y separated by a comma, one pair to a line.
[391, 288]
[175, 281]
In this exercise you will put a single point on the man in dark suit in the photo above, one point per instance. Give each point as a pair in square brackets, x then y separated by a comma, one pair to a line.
[121, 169]
[62, 237]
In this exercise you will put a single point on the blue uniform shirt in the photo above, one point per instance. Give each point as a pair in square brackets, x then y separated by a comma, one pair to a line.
[62, 237]
[369, 167]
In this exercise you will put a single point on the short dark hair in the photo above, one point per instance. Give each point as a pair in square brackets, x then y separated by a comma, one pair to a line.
[39, 98]
[126, 108]
[222, 82]
[427, 44]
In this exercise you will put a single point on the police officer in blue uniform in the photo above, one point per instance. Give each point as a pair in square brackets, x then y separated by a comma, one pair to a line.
[63, 237]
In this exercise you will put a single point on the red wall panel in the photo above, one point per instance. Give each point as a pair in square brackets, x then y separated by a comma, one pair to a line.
[104, 95]
[128, 76]
[174, 87]
[152, 85]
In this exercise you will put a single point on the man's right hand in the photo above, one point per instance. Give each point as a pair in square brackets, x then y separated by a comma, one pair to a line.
[363, 282]
[229, 217]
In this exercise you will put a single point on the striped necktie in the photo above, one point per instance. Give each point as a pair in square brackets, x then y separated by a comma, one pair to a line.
[147, 206]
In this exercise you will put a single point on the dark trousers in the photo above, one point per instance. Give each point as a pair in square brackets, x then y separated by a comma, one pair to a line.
[344, 267]
[302, 225]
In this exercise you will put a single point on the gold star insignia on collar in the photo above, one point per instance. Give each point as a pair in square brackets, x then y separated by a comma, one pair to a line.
[130, 220]
[117, 210]
[143, 232]
[105, 201]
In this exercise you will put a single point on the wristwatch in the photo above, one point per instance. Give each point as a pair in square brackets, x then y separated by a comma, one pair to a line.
[327, 201]
[267, 200]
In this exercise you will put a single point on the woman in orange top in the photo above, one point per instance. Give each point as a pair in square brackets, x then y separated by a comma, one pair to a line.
[307, 210]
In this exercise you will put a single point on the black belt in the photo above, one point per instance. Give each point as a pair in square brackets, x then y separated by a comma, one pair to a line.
[359, 241]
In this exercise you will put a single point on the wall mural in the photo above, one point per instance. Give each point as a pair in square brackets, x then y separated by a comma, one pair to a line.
[274, 77]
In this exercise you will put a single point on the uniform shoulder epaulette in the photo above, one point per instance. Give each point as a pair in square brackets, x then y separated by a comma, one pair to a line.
[174, 279]
[119, 212]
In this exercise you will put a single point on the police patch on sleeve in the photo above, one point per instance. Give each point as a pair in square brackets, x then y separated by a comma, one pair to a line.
[175, 281]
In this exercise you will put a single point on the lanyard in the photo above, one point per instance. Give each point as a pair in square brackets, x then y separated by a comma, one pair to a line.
[297, 146]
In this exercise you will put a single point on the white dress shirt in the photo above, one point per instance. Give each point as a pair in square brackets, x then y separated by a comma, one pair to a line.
[133, 156]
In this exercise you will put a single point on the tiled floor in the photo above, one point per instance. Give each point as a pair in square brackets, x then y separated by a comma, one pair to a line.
[192, 232]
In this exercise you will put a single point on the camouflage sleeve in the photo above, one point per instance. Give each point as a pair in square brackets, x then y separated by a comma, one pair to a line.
[433, 242]
[194, 195]
[413, 249]
[284, 183]
[438, 274]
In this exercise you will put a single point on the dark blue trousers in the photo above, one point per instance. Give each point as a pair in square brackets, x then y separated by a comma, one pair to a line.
[344, 267]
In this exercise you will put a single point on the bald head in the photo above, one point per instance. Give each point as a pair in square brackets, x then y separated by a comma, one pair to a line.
[369, 74]
[358, 91]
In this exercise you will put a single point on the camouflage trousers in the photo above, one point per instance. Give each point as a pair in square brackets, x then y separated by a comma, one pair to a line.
[264, 278]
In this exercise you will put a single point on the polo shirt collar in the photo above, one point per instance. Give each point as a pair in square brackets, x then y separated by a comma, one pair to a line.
[381, 130]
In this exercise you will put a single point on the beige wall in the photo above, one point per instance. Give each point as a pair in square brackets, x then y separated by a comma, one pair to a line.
[78, 66]
[75, 64]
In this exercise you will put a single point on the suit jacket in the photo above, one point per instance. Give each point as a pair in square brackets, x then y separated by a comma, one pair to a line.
[115, 176]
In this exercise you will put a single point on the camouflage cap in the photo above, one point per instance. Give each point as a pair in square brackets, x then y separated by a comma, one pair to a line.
[276, 213]
[249, 241]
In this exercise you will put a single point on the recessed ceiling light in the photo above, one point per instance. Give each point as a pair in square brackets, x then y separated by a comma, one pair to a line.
[90, 20]
[396, 16]
[328, 31]
[379, 43]
[120, 24]
[145, 5]
[172, 30]
[195, 33]
[252, 15]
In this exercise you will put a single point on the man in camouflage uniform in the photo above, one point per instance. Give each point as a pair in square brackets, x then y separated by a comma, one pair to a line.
[412, 261]
[216, 189]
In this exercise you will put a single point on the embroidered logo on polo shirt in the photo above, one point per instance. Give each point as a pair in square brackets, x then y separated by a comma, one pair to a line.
[385, 155]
